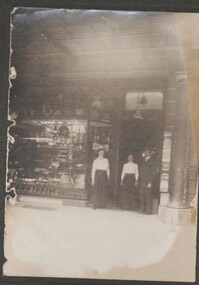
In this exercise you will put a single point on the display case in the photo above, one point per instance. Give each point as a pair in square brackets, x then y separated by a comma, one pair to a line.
[56, 142]
[50, 158]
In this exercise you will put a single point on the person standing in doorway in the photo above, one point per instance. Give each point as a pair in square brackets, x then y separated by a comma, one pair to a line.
[147, 173]
[129, 180]
[100, 176]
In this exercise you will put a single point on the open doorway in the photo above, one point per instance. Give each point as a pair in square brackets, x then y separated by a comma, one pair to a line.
[142, 126]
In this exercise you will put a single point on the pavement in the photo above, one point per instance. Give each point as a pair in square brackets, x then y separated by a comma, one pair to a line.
[81, 242]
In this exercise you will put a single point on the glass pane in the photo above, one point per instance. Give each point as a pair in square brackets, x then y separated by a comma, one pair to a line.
[144, 101]
[51, 152]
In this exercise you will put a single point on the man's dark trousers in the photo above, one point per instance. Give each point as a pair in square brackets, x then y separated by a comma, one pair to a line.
[145, 198]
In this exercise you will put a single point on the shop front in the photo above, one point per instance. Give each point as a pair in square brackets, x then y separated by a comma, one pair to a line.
[80, 87]
[57, 140]
[56, 143]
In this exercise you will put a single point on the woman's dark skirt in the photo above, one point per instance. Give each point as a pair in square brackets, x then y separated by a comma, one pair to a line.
[127, 199]
[99, 197]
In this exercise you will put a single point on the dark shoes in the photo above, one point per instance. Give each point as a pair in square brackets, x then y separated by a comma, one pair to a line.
[143, 212]
[97, 207]
[140, 211]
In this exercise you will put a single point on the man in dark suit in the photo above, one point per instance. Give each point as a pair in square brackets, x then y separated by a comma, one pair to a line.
[147, 174]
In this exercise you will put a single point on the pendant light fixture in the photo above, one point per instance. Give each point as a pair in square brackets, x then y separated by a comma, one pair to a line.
[141, 100]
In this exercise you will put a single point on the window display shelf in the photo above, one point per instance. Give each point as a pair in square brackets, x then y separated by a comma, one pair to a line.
[50, 191]
[50, 157]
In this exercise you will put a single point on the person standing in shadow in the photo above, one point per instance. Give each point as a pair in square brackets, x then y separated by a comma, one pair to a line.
[129, 180]
[147, 174]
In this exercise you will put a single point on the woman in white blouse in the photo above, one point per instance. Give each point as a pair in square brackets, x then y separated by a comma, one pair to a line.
[100, 175]
[129, 179]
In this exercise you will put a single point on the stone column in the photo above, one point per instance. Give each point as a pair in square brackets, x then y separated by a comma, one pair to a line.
[177, 211]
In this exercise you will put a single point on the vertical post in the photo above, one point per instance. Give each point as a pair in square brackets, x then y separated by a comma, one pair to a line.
[177, 210]
[118, 116]
[169, 114]
[87, 174]
[179, 145]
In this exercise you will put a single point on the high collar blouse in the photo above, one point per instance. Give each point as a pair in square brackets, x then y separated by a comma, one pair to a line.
[130, 168]
[100, 163]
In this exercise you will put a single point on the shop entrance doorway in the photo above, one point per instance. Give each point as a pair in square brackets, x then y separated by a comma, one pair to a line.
[142, 129]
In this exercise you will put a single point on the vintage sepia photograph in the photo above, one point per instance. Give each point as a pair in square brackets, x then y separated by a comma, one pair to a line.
[102, 159]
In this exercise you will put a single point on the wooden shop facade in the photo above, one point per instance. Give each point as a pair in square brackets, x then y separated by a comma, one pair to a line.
[80, 87]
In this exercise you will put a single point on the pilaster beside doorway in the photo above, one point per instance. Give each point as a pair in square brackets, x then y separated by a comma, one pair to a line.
[177, 209]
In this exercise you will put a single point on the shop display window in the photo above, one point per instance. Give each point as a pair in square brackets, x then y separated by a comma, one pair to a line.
[51, 152]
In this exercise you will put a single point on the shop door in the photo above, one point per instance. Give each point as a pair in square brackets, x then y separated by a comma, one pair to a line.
[136, 135]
